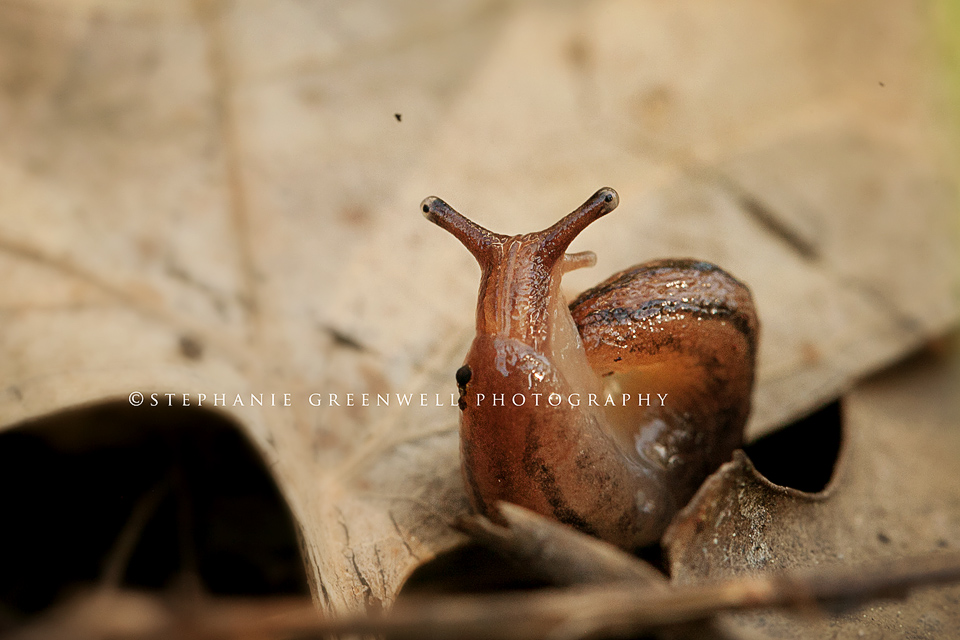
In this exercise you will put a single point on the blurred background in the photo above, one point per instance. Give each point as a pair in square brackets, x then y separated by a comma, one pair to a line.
[222, 197]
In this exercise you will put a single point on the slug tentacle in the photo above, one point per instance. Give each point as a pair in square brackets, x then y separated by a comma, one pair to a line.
[579, 260]
[609, 413]
[559, 236]
[475, 238]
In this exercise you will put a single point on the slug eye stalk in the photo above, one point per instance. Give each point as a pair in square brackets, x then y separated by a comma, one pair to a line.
[475, 238]
[558, 237]
[551, 243]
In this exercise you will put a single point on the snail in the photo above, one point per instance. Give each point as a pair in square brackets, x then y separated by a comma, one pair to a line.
[609, 413]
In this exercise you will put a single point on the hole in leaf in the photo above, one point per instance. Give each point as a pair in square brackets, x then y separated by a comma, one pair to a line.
[141, 497]
[469, 569]
[803, 454]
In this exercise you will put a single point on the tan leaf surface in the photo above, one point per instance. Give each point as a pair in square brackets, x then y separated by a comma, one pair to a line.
[231, 176]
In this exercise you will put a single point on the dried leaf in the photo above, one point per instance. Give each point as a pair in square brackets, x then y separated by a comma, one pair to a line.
[895, 493]
[217, 198]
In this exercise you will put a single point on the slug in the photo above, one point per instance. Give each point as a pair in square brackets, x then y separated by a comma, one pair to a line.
[609, 413]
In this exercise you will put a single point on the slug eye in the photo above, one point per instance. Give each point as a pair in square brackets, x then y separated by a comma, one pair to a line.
[463, 375]
[425, 207]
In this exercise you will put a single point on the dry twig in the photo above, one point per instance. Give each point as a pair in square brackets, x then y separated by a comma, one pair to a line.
[596, 610]
[552, 613]
[560, 554]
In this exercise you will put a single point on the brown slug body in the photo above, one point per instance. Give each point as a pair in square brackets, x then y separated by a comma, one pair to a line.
[667, 348]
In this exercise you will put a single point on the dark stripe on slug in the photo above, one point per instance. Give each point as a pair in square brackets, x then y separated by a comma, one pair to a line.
[651, 269]
[708, 310]
[546, 481]
[473, 489]
[648, 292]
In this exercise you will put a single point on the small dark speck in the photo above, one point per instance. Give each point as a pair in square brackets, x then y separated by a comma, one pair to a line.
[398, 116]
[617, 359]
[15, 392]
[191, 348]
[343, 340]
[463, 375]
[943, 544]
[881, 84]
[883, 538]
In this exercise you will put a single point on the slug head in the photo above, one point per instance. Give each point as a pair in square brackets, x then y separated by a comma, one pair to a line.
[519, 288]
